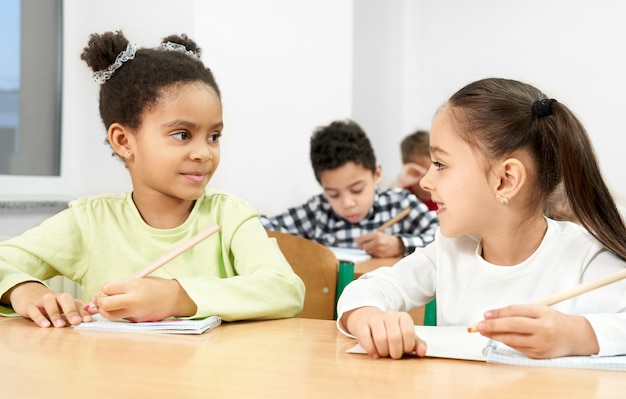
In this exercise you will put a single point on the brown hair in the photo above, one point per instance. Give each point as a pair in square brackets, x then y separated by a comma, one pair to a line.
[416, 143]
[496, 117]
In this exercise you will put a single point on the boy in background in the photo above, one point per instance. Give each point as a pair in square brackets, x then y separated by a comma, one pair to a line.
[352, 206]
[415, 152]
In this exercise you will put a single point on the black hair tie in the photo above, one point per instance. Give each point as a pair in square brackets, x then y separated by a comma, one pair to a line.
[543, 107]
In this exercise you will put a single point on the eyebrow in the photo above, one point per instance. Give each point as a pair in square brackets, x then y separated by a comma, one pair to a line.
[438, 150]
[182, 122]
[349, 187]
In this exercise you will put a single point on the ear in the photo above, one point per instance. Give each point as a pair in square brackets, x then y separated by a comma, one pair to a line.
[378, 174]
[511, 175]
[121, 139]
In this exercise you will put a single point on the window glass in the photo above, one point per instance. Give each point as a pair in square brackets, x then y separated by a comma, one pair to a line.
[30, 82]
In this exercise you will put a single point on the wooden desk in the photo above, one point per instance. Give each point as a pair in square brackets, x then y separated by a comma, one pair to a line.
[368, 265]
[292, 358]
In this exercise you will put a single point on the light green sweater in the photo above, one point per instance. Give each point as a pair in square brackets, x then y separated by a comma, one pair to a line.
[238, 273]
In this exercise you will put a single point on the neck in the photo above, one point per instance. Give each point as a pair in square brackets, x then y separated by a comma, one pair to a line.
[163, 213]
[513, 245]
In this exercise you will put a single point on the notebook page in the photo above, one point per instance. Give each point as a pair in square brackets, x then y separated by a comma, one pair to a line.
[169, 326]
[350, 254]
[447, 342]
[501, 353]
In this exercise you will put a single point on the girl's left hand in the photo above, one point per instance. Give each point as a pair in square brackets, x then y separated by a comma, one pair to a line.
[540, 331]
[143, 299]
[380, 245]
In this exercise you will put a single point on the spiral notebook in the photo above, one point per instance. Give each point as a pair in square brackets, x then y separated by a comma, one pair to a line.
[457, 343]
[169, 326]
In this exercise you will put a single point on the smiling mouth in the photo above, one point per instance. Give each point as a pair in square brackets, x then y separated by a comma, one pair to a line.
[197, 177]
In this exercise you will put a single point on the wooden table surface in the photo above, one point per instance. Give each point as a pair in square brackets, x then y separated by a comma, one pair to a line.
[368, 265]
[291, 358]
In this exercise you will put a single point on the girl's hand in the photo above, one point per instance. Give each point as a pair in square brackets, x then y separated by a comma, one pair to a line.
[143, 299]
[380, 245]
[384, 334]
[540, 331]
[46, 307]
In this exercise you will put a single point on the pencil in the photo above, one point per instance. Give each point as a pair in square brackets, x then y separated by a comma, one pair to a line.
[394, 220]
[170, 255]
[574, 291]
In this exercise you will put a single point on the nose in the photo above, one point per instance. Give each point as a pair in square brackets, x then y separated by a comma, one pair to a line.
[201, 152]
[348, 201]
[426, 182]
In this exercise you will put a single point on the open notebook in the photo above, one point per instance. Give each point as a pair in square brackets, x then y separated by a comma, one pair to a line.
[169, 326]
[350, 254]
[457, 343]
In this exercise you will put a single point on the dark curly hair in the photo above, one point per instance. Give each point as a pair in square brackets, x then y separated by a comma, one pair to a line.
[340, 142]
[138, 84]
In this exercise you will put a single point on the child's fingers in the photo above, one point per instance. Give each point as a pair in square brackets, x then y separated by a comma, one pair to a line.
[71, 308]
[530, 311]
[34, 313]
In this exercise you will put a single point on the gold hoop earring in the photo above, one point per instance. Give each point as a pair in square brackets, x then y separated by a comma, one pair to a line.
[503, 199]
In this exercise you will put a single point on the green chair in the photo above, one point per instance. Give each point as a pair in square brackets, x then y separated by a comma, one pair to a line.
[430, 313]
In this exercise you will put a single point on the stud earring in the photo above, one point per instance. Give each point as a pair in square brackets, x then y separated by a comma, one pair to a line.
[128, 154]
[503, 199]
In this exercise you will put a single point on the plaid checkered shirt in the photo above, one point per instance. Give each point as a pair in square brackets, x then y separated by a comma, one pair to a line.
[316, 221]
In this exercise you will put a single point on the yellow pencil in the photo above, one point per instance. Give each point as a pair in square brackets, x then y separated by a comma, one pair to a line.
[170, 255]
[572, 292]
[394, 220]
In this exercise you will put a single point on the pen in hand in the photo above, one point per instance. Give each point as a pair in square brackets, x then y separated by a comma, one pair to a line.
[572, 292]
[169, 256]
[394, 220]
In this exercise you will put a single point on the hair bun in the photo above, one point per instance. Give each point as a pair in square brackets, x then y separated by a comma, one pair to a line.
[183, 40]
[102, 49]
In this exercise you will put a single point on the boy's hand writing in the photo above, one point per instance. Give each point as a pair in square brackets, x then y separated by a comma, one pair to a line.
[384, 334]
[540, 331]
[46, 307]
[380, 245]
[143, 299]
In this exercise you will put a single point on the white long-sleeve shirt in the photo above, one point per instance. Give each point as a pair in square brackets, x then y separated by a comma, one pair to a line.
[465, 285]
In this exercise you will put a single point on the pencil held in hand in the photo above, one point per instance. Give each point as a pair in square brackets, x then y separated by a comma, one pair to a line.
[394, 220]
[572, 292]
[170, 255]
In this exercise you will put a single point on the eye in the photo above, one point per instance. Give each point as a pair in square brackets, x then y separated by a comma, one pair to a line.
[182, 135]
[438, 165]
[214, 138]
[358, 191]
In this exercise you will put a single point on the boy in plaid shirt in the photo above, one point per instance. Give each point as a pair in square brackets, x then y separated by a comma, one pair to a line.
[352, 206]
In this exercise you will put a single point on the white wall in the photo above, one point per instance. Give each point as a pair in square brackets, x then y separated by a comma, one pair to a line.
[572, 50]
[286, 67]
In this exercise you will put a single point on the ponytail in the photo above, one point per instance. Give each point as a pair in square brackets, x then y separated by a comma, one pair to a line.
[590, 199]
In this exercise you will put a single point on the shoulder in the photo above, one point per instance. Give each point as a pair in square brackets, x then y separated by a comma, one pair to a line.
[396, 195]
[570, 240]
[100, 202]
[400, 198]
[569, 232]
[216, 200]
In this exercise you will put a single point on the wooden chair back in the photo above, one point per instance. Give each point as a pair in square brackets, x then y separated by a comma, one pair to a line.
[317, 266]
